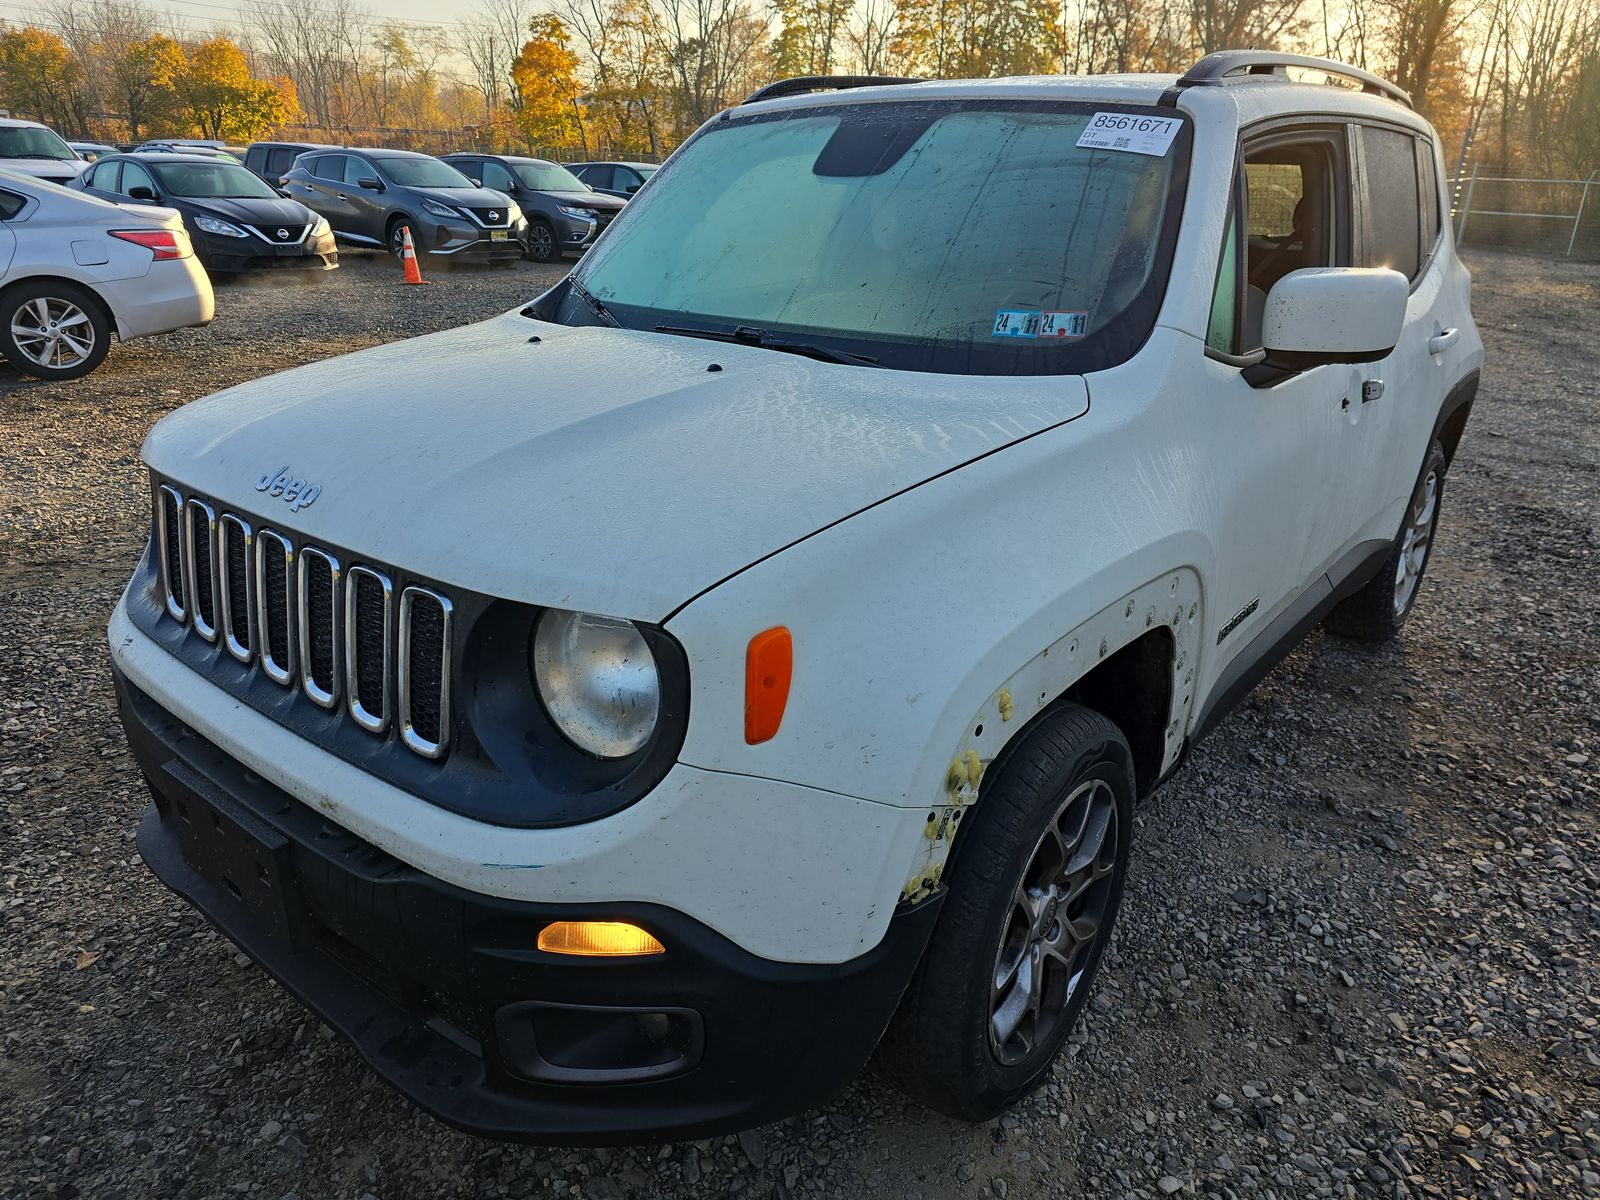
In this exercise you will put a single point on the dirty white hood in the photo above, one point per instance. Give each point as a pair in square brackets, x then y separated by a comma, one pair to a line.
[600, 469]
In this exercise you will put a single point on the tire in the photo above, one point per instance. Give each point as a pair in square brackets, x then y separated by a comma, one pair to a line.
[52, 329]
[395, 238]
[542, 246]
[1377, 612]
[947, 1045]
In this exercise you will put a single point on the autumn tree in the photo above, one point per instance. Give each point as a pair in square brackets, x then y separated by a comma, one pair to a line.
[975, 38]
[620, 43]
[39, 75]
[216, 94]
[544, 77]
[809, 35]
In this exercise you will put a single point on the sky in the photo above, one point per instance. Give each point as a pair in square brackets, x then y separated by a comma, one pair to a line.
[206, 14]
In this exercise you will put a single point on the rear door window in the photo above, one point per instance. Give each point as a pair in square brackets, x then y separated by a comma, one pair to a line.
[597, 177]
[1393, 207]
[329, 166]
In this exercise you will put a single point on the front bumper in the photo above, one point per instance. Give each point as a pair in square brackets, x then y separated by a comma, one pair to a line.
[446, 996]
[464, 240]
[227, 255]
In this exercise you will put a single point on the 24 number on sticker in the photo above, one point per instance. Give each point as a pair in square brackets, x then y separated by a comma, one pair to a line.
[1130, 133]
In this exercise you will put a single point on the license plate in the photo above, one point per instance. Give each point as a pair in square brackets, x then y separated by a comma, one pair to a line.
[499, 235]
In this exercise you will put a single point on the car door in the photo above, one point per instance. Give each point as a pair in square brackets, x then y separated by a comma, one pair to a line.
[1400, 228]
[367, 205]
[1272, 446]
[322, 189]
[599, 177]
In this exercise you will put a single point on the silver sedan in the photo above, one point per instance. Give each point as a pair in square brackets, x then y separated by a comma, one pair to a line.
[75, 269]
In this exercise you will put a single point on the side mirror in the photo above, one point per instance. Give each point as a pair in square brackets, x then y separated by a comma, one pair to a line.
[633, 187]
[1334, 315]
[474, 182]
[370, 183]
[141, 192]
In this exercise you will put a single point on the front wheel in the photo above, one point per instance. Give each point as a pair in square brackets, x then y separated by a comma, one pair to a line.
[1380, 608]
[541, 244]
[1030, 909]
[54, 330]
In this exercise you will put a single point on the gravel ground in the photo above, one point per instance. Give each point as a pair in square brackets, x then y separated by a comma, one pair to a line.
[1357, 955]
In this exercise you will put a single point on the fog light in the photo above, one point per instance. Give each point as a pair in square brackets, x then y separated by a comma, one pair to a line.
[598, 939]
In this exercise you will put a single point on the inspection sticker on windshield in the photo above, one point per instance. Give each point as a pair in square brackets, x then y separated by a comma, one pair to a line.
[1064, 324]
[1016, 322]
[1130, 133]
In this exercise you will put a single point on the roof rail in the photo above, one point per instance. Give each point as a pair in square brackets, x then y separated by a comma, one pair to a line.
[1240, 66]
[821, 83]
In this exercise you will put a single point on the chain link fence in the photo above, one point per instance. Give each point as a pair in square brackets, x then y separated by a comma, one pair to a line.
[1549, 216]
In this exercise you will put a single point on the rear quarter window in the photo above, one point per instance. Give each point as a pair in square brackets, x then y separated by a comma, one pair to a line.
[10, 205]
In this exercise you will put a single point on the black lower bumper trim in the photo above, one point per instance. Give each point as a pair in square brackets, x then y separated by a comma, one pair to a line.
[423, 977]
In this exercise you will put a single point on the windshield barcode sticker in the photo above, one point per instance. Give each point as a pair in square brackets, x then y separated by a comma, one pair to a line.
[1064, 324]
[1130, 133]
[1016, 322]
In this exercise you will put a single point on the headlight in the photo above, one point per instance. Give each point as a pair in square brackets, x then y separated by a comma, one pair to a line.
[439, 210]
[598, 681]
[513, 214]
[583, 214]
[321, 228]
[217, 225]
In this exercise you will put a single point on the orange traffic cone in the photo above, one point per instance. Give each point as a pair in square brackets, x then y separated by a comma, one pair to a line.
[408, 256]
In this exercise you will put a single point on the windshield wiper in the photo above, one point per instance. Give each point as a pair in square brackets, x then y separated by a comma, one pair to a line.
[597, 306]
[747, 335]
[49, 157]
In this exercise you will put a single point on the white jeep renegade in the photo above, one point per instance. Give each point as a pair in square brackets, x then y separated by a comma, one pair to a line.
[621, 717]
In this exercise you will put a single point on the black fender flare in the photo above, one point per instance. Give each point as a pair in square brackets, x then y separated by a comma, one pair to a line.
[1453, 414]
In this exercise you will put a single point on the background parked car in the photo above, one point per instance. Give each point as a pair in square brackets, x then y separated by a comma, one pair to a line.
[37, 150]
[74, 268]
[182, 147]
[236, 221]
[273, 160]
[369, 196]
[563, 212]
[90, 151]
[614, 178]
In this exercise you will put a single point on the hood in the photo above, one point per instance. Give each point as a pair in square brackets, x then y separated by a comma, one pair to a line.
[595, 200]
[250, 210]
[469, 197]
[56, 170]
[599, 469]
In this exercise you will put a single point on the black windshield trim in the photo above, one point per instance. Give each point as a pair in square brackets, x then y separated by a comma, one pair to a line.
[1105, 348]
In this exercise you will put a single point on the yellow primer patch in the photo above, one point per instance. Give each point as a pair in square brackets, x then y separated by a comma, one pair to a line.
[974, 766]
[1006, 705]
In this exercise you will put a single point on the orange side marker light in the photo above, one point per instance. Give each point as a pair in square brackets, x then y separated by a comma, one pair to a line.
[768, 668]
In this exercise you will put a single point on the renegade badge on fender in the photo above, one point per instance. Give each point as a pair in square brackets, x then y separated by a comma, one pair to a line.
[759, 663]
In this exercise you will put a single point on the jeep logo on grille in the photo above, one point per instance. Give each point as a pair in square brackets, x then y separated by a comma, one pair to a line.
[296, 493]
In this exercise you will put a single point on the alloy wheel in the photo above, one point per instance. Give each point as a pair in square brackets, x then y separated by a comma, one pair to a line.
[1415, 541]
[52, 332]
[1057, 914]
[541, 243]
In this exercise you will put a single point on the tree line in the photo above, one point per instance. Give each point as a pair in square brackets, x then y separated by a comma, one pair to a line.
[632, 78]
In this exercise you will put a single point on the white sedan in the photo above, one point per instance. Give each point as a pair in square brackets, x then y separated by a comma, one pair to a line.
[74, 268]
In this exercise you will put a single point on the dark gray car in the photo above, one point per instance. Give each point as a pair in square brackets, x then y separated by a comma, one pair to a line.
[562, 211]
[371, 196]
[614, 178]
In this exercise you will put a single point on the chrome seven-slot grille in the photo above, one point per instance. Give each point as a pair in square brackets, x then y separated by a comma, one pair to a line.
[340, 634]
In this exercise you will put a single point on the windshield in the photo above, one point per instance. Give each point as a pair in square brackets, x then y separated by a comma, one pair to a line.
[961, 236]
[32, 141]
[548, 177]
[212, 180]
[423, 172]
[644, 171]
